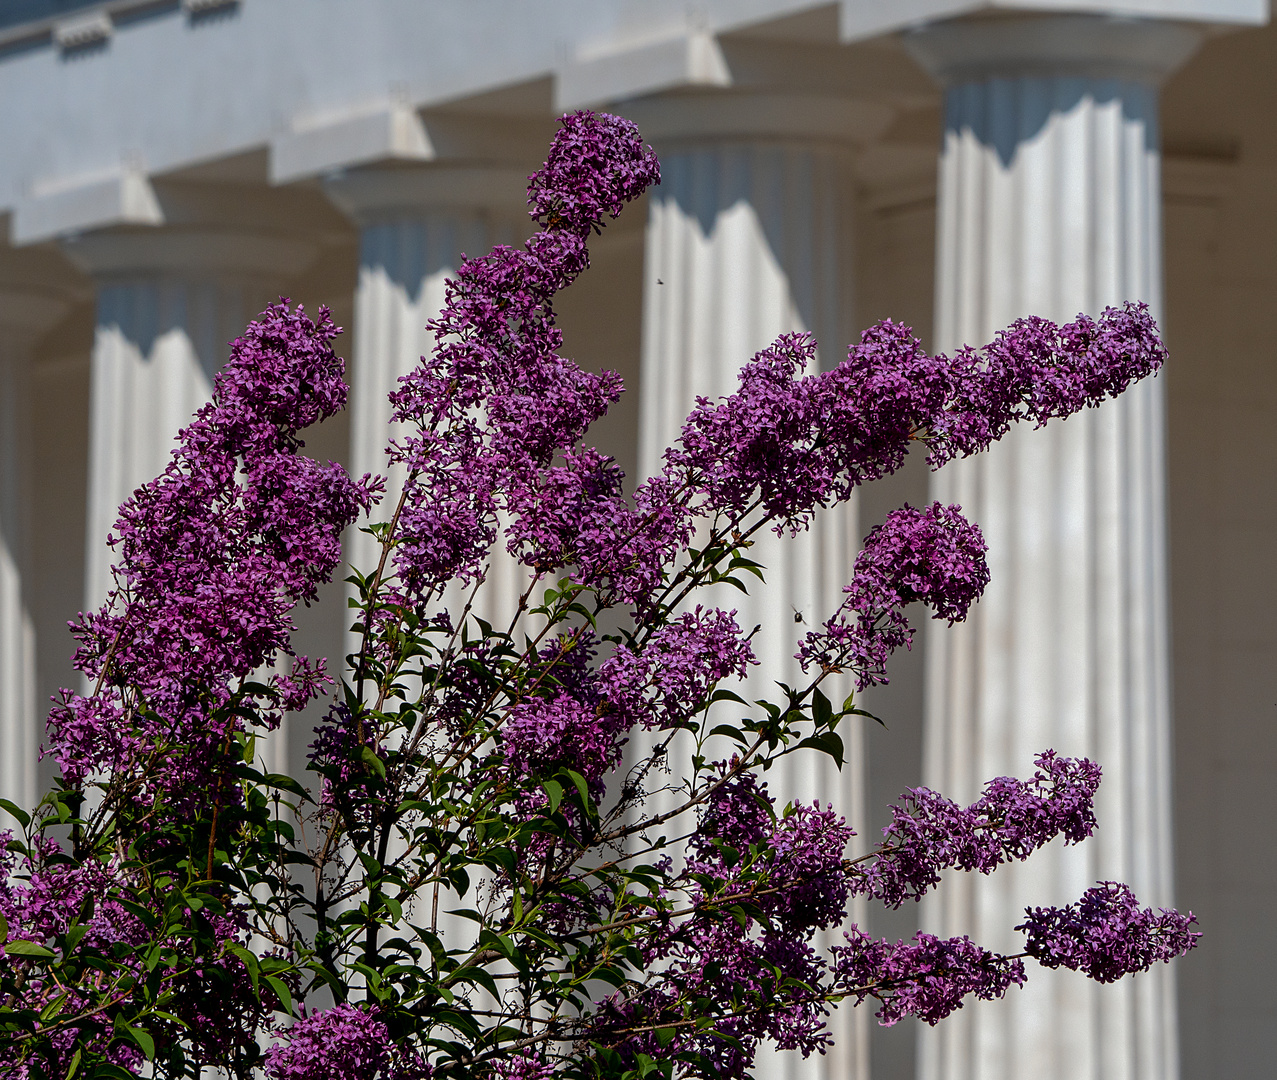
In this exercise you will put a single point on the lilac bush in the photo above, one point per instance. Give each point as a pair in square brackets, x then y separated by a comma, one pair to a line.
[475, 881]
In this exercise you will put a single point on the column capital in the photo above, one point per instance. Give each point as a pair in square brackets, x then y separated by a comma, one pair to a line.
[372, 194]
[37, 290]
[190, 253]
[1053, 46]
[748, 116]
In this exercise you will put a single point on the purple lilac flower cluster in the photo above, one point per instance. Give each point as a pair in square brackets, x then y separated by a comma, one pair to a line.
[667, 682]
[581, 713]
[1107, 934]
[801, 881]
[927, 977]
[802, 884]
[42, 904]
[807, 862]
[933, 555]
[213, 556]
[495, 403]
[754, 985]
[596, 165]
[790, 443]
[342, 1043]
[219, 1006]
[522, 1066]
[564, 725]
[51, 895]
[760, 977]
[1038, 371]
[241, 527]
[737, 814]
[1012, 819]
[335, 752]
[216, 1001]
[757, 443]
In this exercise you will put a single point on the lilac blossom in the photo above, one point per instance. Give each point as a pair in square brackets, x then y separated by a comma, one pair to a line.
[544, 734]
[807, 866]
[241, 527]
[1107, 934]
[39, 905]
[51, 893]
[667, 681]
[1012, 819]
[755, 443]
[596, 165]
[933, 556]
[572, 515]
[215, 997]
[1037, 371]
[803, 882]
[927, 977]
[789, 442]
[213, 556]
[495, 402]
[336, 753]
[342, 1043]
[522, 1066]
[738, 814]
[750, 984]
[565, 725]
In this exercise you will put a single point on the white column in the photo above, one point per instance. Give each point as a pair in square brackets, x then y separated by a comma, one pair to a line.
[169, 303]
[415, 227]
[24, 315]
[1049, 204]
[749, 237]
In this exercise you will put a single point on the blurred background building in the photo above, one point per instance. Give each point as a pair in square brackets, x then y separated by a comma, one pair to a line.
[168, 168]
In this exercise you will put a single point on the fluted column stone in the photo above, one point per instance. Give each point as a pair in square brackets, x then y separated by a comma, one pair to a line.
[416, 225]
[24, 315]
[749, 237]
[1049, 204]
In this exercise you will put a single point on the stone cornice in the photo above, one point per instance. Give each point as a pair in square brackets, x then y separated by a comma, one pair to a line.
[859, 19]
[1083, 46]
[376, 193]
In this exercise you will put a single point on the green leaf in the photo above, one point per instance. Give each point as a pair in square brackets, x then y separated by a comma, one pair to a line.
[75, 1064]
[554, 792]
[248, 959]
[286, 783]
[369, 758]
[143, 1039]
[13, 808]
[730, 732]
[582, 788]
[869, 715]
[822, 710]
[53, 1008]
[829, 743]
[281, 992]
[29, 948]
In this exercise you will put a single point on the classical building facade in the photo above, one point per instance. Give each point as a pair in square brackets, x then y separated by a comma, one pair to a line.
[167, 168]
